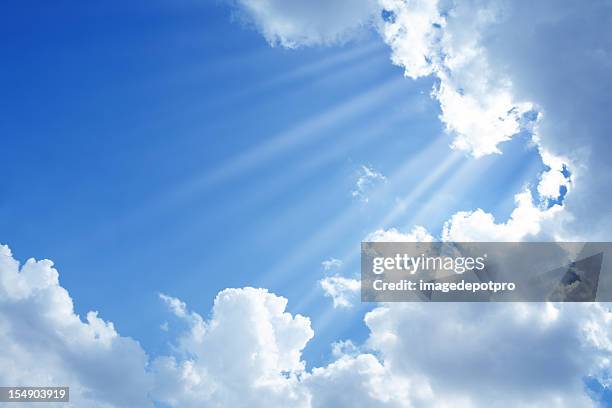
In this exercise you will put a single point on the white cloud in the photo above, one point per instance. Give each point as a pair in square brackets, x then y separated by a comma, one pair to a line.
[417, 234]
[505, 67]
[476, 102]
[526, 221]
[501, 355]
[343, 291]
[305, 23]
[368, 178]
[479, 124]
[331, 264]
[419, 355]
[178, 307]
[45, 343]
[249, 352]
[359, 381]
[412, 32]
[552, 180]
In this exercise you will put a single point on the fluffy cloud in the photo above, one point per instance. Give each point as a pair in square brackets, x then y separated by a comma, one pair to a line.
[506, 67]
[476, 102]
[559, 55]
[516, 355]
[509, 67]
[343, 291]
[526, 222]
[495, 356]
[360, 381]
[412, 30]
[314, 22]
[249, 352]
[45, 343]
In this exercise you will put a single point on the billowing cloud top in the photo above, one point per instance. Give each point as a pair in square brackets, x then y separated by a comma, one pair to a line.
[249, 353]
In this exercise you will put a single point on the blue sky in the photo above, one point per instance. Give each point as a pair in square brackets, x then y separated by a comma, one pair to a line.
[119, 120]
[166, 147]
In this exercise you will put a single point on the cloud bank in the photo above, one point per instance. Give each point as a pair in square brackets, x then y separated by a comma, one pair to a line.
[249, 352]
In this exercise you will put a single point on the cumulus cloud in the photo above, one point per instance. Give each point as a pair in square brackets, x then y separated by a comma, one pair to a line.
[502, 355]
[508, 67]
[519, 355]
[343, 291]
[526, 221]
[249, 352]
[45, 343]
[359, 381]
[476, 102]
[305, 23]
[412, 30]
